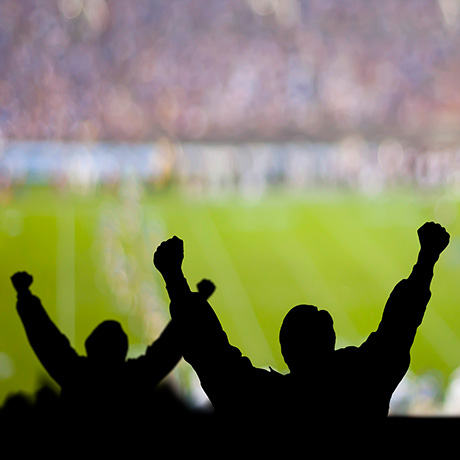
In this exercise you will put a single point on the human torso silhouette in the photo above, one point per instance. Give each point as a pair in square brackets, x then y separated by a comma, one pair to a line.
[96, 391]
[353, 383]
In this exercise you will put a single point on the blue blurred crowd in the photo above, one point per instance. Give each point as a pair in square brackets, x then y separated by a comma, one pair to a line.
[220, 70]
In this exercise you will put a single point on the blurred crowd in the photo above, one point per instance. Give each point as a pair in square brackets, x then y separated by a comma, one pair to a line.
[427, 394]
[219, 70]
[249, 169]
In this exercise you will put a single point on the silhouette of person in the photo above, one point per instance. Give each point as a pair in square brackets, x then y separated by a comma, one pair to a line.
[104, 390]
[326, 388]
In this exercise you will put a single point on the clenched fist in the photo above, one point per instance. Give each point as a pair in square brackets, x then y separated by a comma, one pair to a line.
[433, 238]
[169, 256]
[21, 281]
[206, 288]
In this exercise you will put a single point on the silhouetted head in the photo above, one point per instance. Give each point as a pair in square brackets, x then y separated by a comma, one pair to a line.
[108, 343]
[307, 334]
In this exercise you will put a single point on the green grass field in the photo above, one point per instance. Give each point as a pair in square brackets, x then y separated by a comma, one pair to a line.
[91, 260]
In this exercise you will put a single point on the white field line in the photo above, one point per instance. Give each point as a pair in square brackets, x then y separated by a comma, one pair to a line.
[246, 324]
[65, 272]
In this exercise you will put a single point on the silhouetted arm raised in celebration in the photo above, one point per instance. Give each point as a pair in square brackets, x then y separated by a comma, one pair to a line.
[185, 305]
[407, 303]
[52, 348]
[204, 342]
[160, 358]
[389, 347]
[165, 352]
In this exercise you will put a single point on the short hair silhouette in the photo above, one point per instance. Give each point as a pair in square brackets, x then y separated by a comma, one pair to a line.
[107, 342]
[306, 333]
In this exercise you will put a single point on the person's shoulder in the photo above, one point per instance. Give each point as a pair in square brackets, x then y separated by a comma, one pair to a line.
[346, 352]
[134, 361]
[349, 349]
[267, 374]
[273, 373]
[347, 359]
[265, 381]
[82, 362]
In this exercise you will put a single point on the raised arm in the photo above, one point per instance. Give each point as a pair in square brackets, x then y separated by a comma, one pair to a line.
[407, 303]
[185, 305]
[165, 352]
[205, 344]
[49, 344]
[168, 261]
[433, 240]
[386, 352]
[160, 357]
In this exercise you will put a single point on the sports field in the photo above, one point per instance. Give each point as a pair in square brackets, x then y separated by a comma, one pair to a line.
[90, 255]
